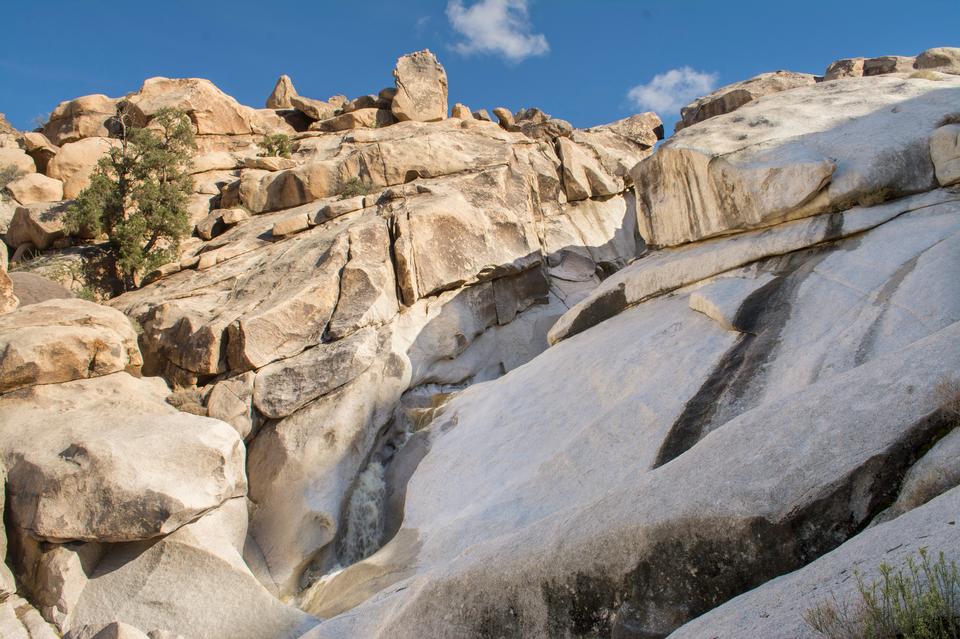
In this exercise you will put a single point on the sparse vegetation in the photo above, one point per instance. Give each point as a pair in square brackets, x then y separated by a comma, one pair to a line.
[276, 145]
[138, 194]
[8, 174]
[354, 187]
[926, 74]
[923, 603]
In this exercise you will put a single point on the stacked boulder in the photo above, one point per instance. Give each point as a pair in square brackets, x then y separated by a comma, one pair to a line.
[109, 485]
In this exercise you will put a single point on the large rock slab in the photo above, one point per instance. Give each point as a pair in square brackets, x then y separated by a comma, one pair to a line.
[791, 155]
[192, 583]
[112, 460]
[212, 111]
[777, 608]
[39, 224]
[76, 161]
[421, 88]
[35, 187]
[62, 340]
[733, 96]
[667, 270]
[89, 116]
[761, 408]
[462, 231]
[283, 387]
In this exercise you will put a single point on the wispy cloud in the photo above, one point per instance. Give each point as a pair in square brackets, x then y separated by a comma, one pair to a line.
[500, 27]
[667, 92]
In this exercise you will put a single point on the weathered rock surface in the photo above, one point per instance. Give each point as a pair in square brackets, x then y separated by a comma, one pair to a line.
[792, 155]
[282, 94]
[211, 111]
[113, 461]
[283, 387]
[18, 158]
[63, 340]
[170, 585]
[39, 147]
[943, 59]
[733, 96]
[35, 187]
[76, 161]
[777, 608]
[566, 554]
[421, 88]
[39, 224]
[89, 116]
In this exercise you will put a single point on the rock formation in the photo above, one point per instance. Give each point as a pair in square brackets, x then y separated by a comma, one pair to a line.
[440, 376]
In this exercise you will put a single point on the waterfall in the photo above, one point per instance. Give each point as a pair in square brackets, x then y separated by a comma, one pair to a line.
[364, 516]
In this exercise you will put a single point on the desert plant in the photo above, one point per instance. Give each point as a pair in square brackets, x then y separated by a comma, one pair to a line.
[926, 74]
[921, 603]
[8, 174]
[354, 187]
[138, 194]
[275, 145]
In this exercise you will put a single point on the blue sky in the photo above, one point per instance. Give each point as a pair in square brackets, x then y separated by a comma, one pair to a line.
[575, 59]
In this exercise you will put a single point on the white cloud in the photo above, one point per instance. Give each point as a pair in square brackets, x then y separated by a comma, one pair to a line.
[669, 91]
[496, 26]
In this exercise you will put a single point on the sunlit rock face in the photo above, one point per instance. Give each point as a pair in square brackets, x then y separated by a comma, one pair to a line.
[440, 376]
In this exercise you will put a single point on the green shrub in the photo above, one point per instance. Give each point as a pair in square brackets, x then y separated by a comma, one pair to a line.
[276, 145]
[923, 603]
[354, 187]
[138, 194]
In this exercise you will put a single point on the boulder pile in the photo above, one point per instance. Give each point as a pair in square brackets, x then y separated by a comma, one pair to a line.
[437, 375]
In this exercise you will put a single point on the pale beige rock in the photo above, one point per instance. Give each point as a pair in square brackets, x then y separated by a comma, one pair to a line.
[482, 115]
[283, 92]
[212, 111]
[368, 290]
[35, 187]
[269, 163]
[230, 401]
[214, 161]
[64, 339]
[887, 64]
[283, 387]
[210, 226]
[787, 156]
[469, 229]
[8, 299]
[421, 88]
[113, 462]
[945, 153]
[40, 149]
[291, 225]
[7, 584]
[293, 323]
[88, 116]
[76, 161]
[20, 620]
[368, 118]
[461, 111]
[583, 176]
[231, 217]
[504, 117]
[39, 224]
[943, 59]
[171, 585]
[313, 109]
[18, 158]
[733, 96]
[845, 68]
